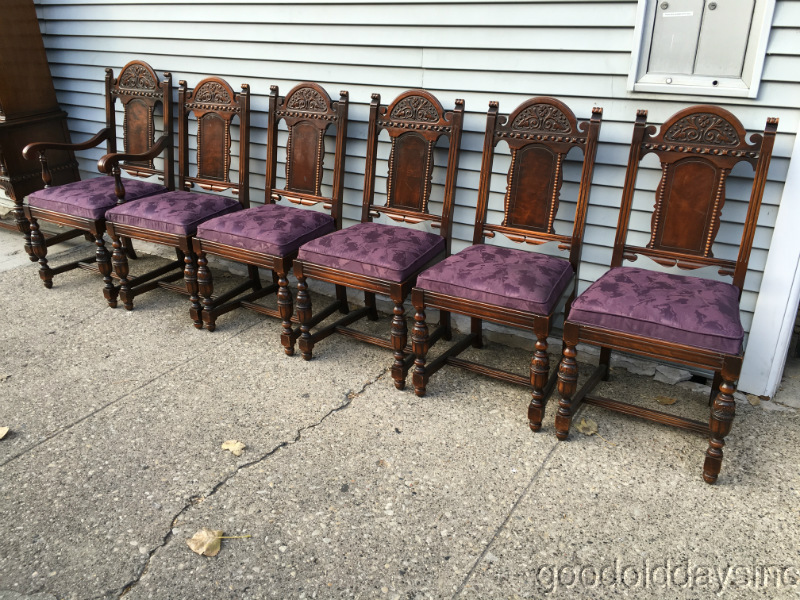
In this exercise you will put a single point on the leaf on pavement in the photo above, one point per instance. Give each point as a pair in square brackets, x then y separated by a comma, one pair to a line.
[206, 541]
[3, 432]
[666, 400]
[587, 427]
[235, 447]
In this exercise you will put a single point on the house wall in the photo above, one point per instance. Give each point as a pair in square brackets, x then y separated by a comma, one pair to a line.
[578, 51]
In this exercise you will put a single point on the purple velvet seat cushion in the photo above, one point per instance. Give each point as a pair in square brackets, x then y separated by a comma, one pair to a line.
[268, 229]
[387, 252]
[505, 277]
[174, 212]
[674, 308]
[90, 198]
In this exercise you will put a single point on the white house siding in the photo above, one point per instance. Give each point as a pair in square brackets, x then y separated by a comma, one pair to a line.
[578, 51]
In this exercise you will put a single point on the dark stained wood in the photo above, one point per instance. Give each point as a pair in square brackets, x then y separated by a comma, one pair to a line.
[697, 148]
[308, 113]
[29, 111]
[415, 121]
[214, 105]
[140, 91]
[540, 133]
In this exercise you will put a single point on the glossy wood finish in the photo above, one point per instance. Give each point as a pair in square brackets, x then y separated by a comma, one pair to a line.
[214, 106]
[539, 133]
[308, 113]
[140, 91]
[697, 148]
[415, 121]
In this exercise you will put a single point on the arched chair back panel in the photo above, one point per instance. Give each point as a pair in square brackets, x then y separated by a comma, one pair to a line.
[308, 112]
[214, 105]
[539, 133]
[697, 148]
[139, 91]
[415, 122]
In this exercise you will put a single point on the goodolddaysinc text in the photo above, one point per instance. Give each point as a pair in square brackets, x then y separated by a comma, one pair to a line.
[666, 575]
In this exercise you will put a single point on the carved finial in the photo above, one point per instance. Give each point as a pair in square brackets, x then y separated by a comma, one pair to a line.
[182, 83]
[344, 93]
[376, 97]
[494, 104]
[460, 102]
[273, 89]
[597, 110]
[167, 75]
[246, 88]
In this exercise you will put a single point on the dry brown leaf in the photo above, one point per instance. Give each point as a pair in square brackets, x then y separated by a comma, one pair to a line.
[206, 541]
[235, 447]
[666, 400]
[587, 427]
[3, 432]
[752, 399]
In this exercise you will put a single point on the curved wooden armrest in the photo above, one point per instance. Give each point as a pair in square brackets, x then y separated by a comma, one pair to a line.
[33, 150]
[106, 163]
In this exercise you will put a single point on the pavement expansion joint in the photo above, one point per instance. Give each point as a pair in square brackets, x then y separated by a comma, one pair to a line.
[196, 499]
[502, 525]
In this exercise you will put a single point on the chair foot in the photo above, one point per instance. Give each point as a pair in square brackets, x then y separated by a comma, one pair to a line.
[103, 261]
[540, 370]
[190, 274]
[567, 383]
[120, 263]
[39, 249]
[304, 315]
[720, 422]
[399, 339]
[285, 308]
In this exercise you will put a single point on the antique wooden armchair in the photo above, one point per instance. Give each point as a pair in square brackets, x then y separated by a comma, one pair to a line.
[507, 285]
[269, 236]
[171, 219]
[676, 318]
[82, 205]
[378, 258]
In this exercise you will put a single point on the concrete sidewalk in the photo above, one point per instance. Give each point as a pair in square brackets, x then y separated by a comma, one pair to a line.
[349, 488]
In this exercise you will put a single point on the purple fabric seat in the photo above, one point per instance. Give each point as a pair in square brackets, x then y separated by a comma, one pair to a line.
[501, 276]
[90, 198]
[269, 229]
[387, 252]
[174, 212]
[674, 308]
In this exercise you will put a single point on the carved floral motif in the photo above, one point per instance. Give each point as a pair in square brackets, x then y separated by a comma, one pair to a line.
[307, 99]
[137, 77]
[212, 92]
[415, 108]
[703, 128]
[542, 117]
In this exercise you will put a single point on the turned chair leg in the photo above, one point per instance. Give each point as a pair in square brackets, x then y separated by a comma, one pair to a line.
[103, 260]
[285, 309]
[205, 288]
[120, 261]
[540, 370]
[190, 278]
[24, 227]
[369, 302]
[305, 342]
[567, 383]
[341, 297]
[476, 328]
[720, 422]
[39, 248]
[419, 341]
[399, 340]
[605, 359]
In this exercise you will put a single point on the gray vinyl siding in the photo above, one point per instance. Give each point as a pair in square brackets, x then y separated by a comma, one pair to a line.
[577, 51]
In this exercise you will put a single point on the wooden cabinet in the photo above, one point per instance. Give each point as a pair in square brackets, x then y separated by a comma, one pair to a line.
[29, 110]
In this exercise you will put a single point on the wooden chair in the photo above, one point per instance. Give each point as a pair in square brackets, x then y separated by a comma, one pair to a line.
[378, 258]
[676, 318]
[171, 219]
[82, 205]
[269, 236]
[507, 285]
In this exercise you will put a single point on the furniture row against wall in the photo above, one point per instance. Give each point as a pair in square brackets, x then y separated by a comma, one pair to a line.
[661, 315]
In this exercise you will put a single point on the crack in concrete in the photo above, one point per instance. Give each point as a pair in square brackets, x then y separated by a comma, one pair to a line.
[505, 521]
[197, 498]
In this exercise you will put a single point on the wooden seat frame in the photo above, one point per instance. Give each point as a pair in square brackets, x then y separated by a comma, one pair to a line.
[139, 90]
[212, 97]
[415, 116]
[697, 143]
[308, 113]
[540, 132]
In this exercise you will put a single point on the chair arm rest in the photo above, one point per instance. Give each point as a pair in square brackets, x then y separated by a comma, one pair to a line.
[37, 148]
[106, 164]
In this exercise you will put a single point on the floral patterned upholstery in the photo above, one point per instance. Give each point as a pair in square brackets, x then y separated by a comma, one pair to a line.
[505, 277]
[269, 229]
[674, 308]
[389, 252]
[90, 198]
[174, 212]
